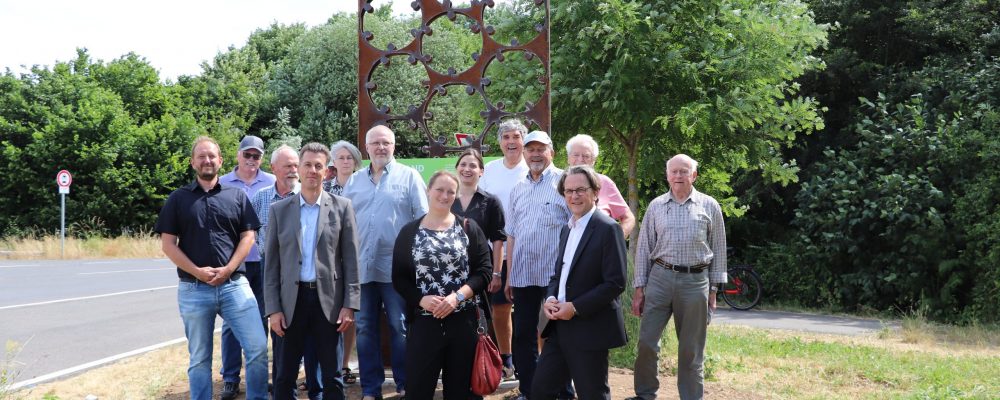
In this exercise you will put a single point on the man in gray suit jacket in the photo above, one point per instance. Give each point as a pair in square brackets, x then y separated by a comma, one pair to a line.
[311, 274]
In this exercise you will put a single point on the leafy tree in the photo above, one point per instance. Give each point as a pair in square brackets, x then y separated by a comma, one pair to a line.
[710, 79]
[73, 117]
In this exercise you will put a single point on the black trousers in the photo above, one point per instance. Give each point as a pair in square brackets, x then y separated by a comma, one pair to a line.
[310, 321]
[560, 361]
[524, 343]
[443, 347]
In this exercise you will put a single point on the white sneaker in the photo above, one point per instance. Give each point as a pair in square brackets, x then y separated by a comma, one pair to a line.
[508, 374]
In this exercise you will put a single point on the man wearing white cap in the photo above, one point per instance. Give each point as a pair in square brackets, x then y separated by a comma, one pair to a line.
[248, 177]
[537, 214]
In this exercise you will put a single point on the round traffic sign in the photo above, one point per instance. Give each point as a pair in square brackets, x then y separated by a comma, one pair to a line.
[64, 178]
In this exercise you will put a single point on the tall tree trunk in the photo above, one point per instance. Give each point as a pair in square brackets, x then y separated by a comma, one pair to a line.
[633, 190]
[631, 144]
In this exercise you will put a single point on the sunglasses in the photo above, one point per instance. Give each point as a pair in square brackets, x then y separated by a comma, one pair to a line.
[252, 156]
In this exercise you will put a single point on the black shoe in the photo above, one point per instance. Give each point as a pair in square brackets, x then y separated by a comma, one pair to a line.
[229, 390]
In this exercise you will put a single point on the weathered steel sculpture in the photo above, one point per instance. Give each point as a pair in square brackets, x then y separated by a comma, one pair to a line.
[473, 79]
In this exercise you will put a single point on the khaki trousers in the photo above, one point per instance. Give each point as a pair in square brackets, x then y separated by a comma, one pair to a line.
[685, 296]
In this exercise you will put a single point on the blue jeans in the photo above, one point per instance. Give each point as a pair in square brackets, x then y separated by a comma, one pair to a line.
[232, 353]
[199, 303]
[376, 296]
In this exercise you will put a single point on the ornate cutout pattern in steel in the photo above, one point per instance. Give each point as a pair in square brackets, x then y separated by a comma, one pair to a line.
[473, 79]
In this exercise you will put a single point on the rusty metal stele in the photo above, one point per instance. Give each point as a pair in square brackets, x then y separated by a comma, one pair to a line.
[473, 79]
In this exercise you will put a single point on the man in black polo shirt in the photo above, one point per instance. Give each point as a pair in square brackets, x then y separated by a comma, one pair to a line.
[206, 231]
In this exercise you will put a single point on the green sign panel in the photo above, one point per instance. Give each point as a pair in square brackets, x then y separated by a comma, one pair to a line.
[428, 166]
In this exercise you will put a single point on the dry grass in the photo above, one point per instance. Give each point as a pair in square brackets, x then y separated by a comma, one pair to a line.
[50, 247]
[919, 331]
[141, 377]
[9, 370]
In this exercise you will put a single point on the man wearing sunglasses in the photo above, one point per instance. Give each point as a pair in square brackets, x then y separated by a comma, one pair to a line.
[248, 177]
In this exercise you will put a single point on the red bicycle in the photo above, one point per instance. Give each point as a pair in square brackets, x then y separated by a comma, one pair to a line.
[743, 289]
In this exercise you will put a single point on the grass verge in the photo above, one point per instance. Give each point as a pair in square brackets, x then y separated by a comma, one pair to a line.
[9, 371]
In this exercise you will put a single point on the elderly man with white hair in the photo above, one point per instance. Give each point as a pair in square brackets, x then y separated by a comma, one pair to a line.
[680, 261]
[583, 150]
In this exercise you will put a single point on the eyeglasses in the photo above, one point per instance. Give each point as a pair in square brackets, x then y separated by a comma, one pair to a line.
[578, 191]
[252, 156]
[380, 144]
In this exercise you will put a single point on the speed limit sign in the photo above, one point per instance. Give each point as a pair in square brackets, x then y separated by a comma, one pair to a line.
[64, 179]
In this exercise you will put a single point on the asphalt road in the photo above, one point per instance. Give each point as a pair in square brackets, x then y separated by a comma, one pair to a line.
[66, 314]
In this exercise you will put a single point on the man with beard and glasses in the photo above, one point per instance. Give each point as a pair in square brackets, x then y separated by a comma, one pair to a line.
[386, 196]
[537, 214]
[247, 176]
[207, 230]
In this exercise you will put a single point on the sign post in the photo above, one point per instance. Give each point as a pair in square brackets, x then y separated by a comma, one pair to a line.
[63, 179]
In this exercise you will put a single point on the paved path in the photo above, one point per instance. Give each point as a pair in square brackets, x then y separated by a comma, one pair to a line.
[816, 323]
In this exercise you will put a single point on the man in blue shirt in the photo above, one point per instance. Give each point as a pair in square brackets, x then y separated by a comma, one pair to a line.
[248, 177]
[386, 196]
[207, 230]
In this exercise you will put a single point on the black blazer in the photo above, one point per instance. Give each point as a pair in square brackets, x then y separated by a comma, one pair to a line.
[595, 282]
[404, 271]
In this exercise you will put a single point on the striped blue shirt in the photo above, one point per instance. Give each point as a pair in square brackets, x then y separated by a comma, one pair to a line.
[261, 203]
[537, 214]
[260, 181]
[381, 210]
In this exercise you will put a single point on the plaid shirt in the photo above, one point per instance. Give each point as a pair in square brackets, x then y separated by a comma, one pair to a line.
[685, 234]
[261, 203]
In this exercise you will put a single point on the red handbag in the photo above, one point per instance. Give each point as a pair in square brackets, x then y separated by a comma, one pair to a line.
[487, 367]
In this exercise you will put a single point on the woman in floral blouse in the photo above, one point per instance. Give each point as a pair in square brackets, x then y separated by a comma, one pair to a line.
[440, 261]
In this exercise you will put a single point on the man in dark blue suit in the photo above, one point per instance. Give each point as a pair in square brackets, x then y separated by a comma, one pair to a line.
[582, 307]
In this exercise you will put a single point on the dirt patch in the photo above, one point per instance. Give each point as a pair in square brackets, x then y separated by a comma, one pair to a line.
[619, 380]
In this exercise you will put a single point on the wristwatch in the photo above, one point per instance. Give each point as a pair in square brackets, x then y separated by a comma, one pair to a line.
[496, 274]
[459, 296]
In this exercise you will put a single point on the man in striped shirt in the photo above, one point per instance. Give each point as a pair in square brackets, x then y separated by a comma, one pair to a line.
[536, 215]
[680, 261]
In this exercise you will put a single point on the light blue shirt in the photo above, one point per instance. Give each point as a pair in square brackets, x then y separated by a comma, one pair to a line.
[261, 181]
[382, 209]
[308, 219]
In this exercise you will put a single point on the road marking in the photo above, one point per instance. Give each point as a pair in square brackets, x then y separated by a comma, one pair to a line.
[92, 364]
[85, 297]
[100, 262]
[125, 270]
[20, 265]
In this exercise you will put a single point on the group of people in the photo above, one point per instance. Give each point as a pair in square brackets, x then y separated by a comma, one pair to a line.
[322, 251]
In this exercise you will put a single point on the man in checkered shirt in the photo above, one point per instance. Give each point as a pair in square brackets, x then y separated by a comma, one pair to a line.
[680, 262]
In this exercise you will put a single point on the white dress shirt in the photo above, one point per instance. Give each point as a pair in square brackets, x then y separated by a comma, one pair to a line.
[576, 229]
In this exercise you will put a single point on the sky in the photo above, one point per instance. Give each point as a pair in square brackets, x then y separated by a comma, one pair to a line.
[174, 36]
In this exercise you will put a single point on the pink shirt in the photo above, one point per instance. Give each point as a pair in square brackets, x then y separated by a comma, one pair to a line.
[610, 200]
